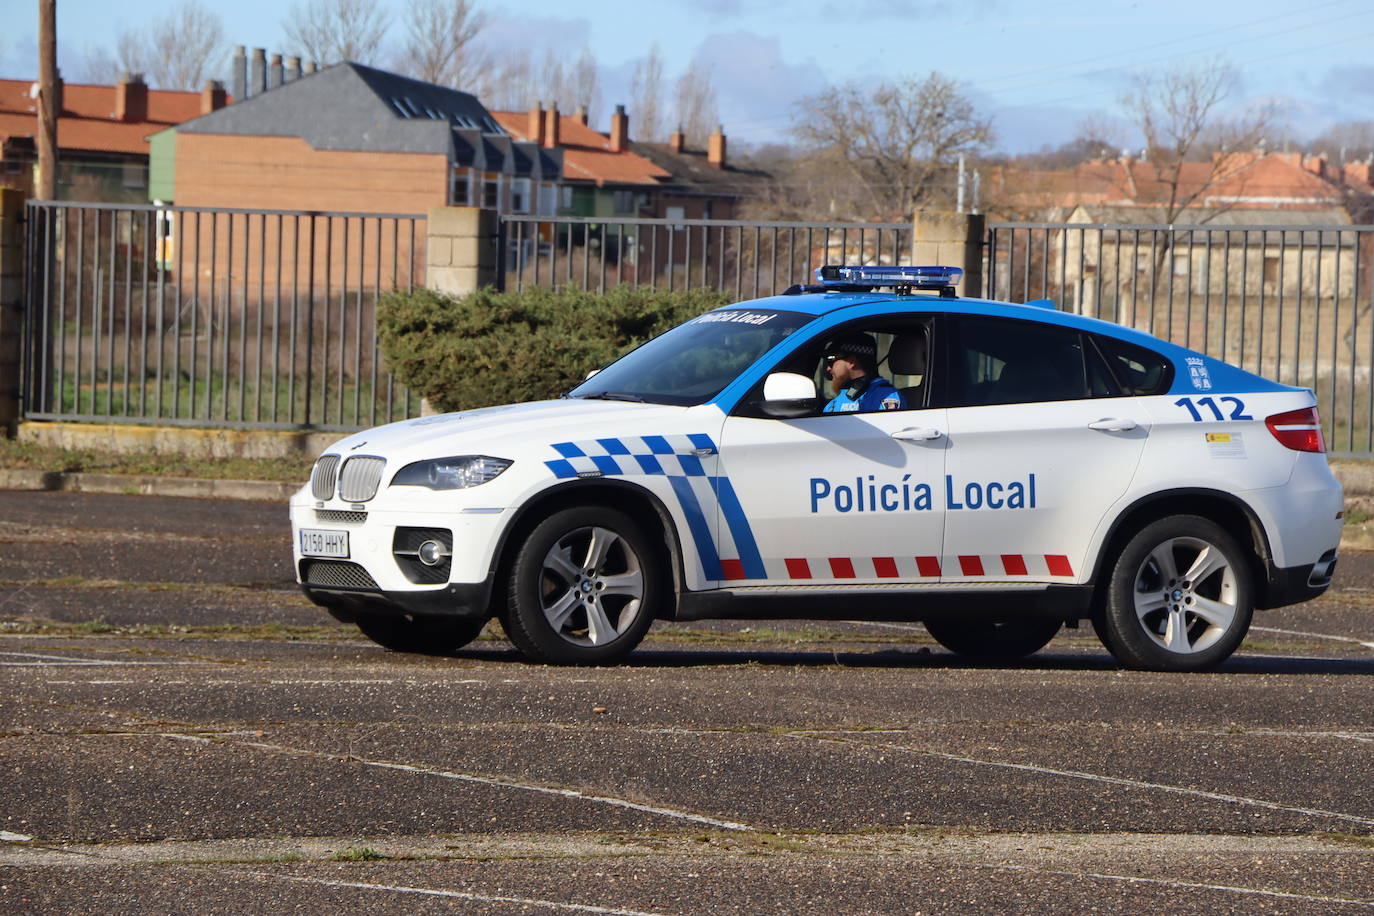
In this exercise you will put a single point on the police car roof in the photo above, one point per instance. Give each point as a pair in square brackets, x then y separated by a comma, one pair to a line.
[828, 303]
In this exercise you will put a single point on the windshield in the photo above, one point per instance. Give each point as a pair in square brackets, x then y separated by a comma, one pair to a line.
[692, 363]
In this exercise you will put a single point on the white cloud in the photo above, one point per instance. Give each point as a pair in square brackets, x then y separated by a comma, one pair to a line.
[755, 86]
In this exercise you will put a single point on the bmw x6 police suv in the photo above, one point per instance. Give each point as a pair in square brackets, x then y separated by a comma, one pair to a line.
[1037, 469]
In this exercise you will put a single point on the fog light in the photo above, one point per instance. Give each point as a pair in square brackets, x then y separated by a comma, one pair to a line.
[431, 553]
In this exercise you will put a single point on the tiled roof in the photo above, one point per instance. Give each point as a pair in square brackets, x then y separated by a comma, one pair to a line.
[587, 155]
[693, 173]
[87, 121]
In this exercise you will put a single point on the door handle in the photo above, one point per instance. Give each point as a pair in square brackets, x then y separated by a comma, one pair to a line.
[1113, 424]
[917, 433]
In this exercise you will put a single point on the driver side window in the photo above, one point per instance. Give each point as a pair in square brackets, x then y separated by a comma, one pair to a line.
[867, 367]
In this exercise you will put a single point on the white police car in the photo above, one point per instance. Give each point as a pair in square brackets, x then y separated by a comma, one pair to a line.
[1026, 469]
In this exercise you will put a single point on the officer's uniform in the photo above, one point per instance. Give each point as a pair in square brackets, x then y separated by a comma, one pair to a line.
[867, 393]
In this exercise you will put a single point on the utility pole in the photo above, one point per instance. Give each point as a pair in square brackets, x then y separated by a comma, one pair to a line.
[49, 104]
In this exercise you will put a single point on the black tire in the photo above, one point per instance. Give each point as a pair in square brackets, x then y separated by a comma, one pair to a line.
[420, 633]
[1159, 614]
[993, 640]
[584, 588]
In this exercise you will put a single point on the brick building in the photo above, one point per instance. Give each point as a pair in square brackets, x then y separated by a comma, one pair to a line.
[102, 135]
[352, 138]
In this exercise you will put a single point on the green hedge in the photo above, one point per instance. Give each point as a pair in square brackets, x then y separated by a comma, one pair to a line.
[485, 348]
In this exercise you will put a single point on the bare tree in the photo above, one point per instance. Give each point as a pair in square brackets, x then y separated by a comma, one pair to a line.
[1179, 114]
[439, 45]
[893, 143]
[696, 107]
[331, 31]
[585, 78]
[178, 52]
[646, 102]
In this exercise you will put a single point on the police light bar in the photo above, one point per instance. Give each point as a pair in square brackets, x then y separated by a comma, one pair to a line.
[941, 278]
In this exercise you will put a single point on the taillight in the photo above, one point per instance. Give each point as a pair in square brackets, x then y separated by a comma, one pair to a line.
[1300, 430]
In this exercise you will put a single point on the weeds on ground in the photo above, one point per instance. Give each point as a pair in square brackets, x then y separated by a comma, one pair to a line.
[32, 456]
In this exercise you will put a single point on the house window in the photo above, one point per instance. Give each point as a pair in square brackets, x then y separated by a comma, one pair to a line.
[567, 193]
[548, 200]
[675, 213]
[458, 196]
[135, 175]
[623, 203]
[491, 194]
[520, 195]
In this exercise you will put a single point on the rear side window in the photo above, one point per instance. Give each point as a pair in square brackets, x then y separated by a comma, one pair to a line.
[1136, 369]
[1003, 361]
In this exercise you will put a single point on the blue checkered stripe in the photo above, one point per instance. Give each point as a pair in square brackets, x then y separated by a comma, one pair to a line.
[628, 456]
[699, 494]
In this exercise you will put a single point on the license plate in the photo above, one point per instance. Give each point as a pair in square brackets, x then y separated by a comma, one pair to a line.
[317, 543]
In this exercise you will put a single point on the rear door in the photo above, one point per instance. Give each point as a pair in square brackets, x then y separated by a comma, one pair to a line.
[1042, 442]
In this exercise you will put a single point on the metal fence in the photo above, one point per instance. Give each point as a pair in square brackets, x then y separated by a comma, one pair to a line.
[748, 259]
[1290, 302]
[220, 317]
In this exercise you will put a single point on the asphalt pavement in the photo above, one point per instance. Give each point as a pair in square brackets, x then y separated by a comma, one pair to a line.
[181, 731]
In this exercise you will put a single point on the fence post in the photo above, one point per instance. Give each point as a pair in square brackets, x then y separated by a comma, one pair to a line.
[462, 254]
[951, 240]
[11, 306]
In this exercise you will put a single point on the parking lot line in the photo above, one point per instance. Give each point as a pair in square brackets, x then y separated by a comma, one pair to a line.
[1349, 639]
[63, 661]
[1091, 777]
[1192, 885]
[225, 738]
[457, 895]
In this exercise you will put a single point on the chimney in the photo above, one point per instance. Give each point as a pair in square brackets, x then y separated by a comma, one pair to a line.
[582, 114]
[620, 130]
[715, 148]
[131, 98]
[240, 75]
[675, 141]
[212, 97]
[293, 69]
[259, 71]
[551, 126]
[274, 74]
[535, 128]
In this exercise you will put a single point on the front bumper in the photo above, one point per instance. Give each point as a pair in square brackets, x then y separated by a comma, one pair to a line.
[453, 600]
[373, 578]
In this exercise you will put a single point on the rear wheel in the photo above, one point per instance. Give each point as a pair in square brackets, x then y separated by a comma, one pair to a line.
[1179, 597]
[420, 633]
[584, 588]
[993, 640]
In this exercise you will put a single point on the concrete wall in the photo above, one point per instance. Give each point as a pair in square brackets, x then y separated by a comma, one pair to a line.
[951, 240]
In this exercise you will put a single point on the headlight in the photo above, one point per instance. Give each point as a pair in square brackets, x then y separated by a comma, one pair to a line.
[454, 473]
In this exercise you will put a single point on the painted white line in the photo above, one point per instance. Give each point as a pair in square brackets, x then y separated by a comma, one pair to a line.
[328, 683]
[502, 783]
[7, 837]
[1094, 777]
[1274, 733]
[64, 661]
[1349, 639]
[219, 737]
[1191, 885]
[456, 895]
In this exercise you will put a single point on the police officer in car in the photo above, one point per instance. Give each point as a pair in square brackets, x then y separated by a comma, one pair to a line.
[852, 368]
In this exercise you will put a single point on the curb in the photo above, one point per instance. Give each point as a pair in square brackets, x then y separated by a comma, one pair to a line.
[22, 479]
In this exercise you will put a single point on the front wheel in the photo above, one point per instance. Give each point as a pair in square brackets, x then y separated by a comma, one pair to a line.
[420, 633]
[583, 589]
[993, 640]
[1179, 597]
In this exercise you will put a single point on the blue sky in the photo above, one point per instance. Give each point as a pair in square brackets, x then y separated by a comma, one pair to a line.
[1037, 69]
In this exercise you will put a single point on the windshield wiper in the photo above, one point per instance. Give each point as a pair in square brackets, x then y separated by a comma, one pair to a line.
[611, 396]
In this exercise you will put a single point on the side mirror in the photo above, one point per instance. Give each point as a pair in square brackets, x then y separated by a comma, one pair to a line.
[787, 395]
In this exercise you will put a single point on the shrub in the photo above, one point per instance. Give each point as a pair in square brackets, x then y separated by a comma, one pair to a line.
[489, 347]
